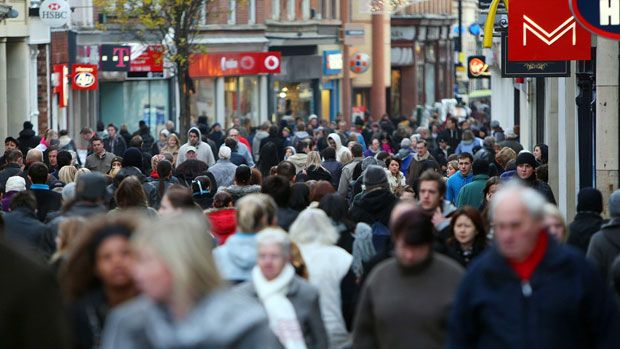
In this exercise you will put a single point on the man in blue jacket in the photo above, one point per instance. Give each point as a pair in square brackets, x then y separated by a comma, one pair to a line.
[529, 291]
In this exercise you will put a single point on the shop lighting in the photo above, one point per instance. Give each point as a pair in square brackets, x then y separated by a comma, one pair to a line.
[282, 95]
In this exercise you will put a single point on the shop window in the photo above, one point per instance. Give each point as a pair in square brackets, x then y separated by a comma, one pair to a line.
[429, 83]
[203, 101]
[294, 99]
[241, 98]
[395, 93]
[252, 14]
[420, 82]
[129, 102]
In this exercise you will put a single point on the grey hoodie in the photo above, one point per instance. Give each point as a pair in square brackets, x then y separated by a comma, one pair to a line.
[203, 150]
[236, 258]
[220, 320]
[605, 247]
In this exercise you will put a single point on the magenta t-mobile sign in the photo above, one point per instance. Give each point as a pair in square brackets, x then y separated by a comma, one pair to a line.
[115, 58]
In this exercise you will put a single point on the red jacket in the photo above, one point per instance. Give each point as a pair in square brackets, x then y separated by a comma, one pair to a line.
[223, 223]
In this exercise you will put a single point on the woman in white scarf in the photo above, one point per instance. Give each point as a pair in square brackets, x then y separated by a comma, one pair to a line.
[291, 303]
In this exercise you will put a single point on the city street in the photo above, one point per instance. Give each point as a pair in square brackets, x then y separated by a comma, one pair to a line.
[320, 174]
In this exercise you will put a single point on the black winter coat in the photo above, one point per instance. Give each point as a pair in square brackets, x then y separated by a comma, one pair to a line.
[335, 169]
[605, 247]
[22, 228]
[582, 228]
[373, 206]
[31, 311]
[27, 140]
[10, 170]
[47, 201]
[313, 173]
[452, 249]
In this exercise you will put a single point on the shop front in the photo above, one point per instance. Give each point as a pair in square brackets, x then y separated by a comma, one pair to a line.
[296, 90]
[133, 86]
[232, 85]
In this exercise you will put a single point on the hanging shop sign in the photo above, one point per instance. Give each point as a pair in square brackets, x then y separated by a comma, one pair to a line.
[477, 68]
[332, 62]
[84, 77]
[599, 17]
[549, 69]
[60, 83]
[359, 63]
[115, 58]
[545, 31]
[55, 13]
[489, 25]
[235, 63]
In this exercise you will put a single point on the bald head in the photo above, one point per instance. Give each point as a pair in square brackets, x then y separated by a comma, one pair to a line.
[34, 155]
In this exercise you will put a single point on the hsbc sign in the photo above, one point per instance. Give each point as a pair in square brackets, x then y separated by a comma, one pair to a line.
[55, 13]
[601, 17]
[545, 31]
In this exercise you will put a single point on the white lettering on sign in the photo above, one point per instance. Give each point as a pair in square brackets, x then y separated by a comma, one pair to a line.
[549, 38]
[610, 12]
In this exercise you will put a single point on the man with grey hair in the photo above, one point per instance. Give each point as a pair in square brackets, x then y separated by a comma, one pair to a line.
[529, 290]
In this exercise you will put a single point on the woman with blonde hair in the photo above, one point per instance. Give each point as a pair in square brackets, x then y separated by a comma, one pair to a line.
[67, 174]
[68, 231]
[80, 172]
[172, 146]
[314, 169]
[183, 304]
[555, 223]
[236, 258]
[329, 269]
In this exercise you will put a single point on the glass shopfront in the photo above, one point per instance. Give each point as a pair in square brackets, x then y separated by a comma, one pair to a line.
[294, 98]
[129, 102]
[241, 98]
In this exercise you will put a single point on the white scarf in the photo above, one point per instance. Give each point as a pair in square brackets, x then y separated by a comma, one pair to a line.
[282, 318]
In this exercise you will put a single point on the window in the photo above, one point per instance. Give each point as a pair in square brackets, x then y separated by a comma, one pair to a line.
[232, 11]
[275, 9]
[252, 14]
[290, 10]
[305, 9]
[241, 98]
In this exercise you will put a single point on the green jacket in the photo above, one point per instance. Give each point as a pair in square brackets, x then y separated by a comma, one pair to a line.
[472, 194]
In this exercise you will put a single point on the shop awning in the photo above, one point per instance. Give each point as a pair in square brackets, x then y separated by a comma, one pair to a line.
[401, 56]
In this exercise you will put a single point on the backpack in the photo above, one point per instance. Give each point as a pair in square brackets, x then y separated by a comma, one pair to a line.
[380, 235]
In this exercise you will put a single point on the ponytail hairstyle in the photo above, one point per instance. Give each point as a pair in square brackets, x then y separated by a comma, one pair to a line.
[164, 170]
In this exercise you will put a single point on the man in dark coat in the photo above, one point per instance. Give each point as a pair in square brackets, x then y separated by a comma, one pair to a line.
[452, 134]
[115, 143]
[526, 171]
[22, 228]
[605, 245]
[332, 165]
[27, 138]
[529, 291]
[279, 189]
[15, 161]
[588, 219]
[47, 200]
[375, 203]
[31, 311]
[276, 138]
[10, 144]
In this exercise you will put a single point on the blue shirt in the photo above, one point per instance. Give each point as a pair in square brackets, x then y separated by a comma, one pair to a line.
[455, 183]
[40, 187]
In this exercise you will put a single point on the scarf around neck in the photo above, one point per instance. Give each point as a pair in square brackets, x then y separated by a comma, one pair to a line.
[282, 317]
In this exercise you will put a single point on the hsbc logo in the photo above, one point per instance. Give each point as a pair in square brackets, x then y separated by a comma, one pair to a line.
[549, 38]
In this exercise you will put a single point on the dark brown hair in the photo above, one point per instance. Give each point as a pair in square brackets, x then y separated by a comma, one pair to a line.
[475, 217]
[320, 189]
[78, 274]
[415, 226]
[180, 197]
[130, 193]
[432, 176]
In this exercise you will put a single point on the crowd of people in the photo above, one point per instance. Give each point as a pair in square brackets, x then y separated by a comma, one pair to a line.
[300, 234]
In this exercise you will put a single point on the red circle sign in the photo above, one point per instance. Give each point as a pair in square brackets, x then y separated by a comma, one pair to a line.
[272, 62]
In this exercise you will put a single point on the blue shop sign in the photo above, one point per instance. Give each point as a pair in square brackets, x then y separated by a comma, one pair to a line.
[332, 62]
[600, 17]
